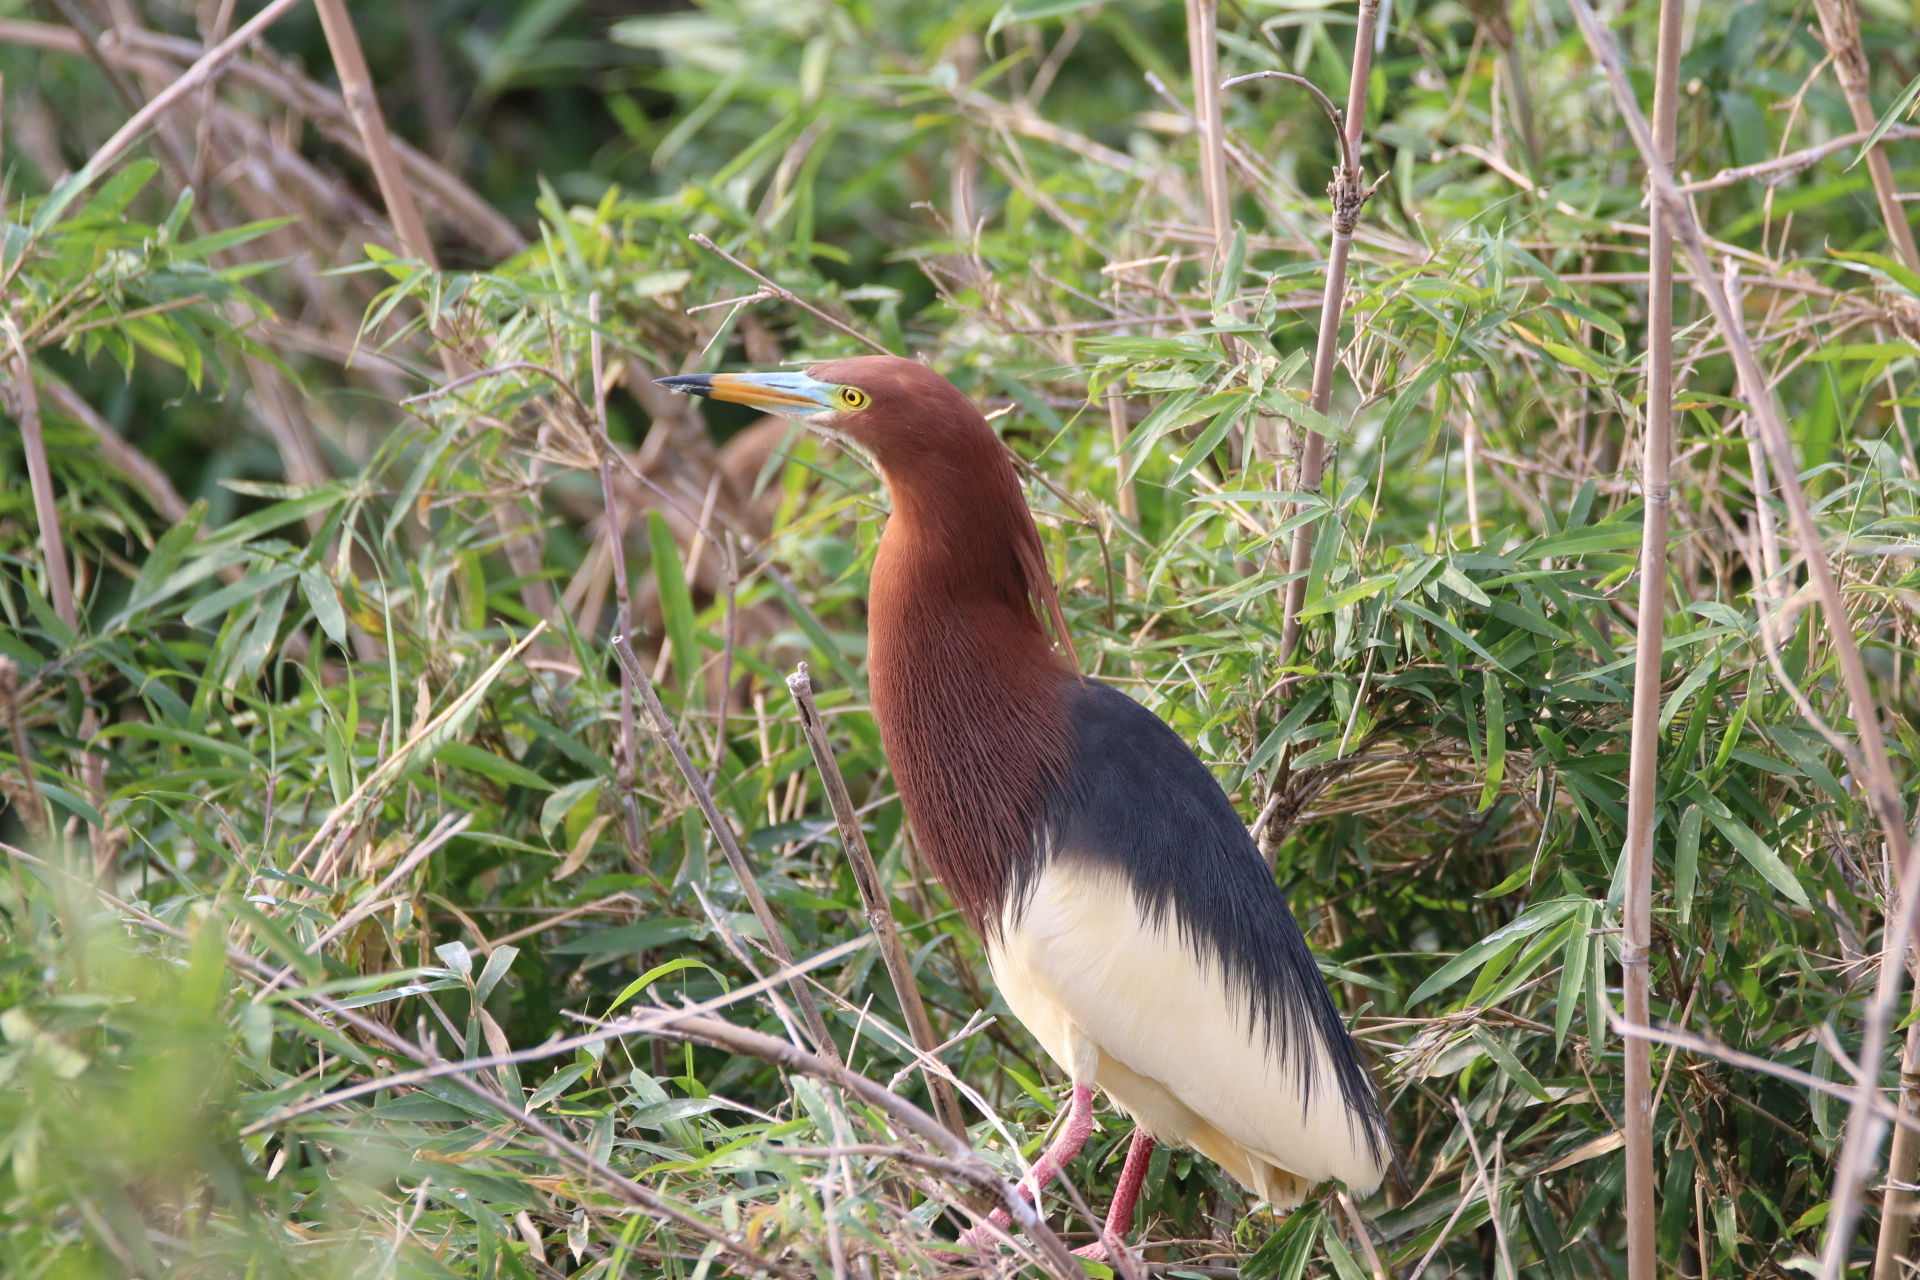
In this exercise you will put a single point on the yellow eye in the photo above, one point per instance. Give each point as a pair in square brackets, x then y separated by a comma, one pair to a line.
[850, 398]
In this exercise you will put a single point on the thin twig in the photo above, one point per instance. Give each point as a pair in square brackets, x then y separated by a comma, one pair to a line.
[1781, 168]
[627, 760]
[787, 295]
[873, 894]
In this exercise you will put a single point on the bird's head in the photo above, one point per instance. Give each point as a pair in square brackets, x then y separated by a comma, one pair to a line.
[899, 411]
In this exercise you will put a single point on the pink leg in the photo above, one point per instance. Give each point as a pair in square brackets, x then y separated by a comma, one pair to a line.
[1125, 1196]
[1047, 1167]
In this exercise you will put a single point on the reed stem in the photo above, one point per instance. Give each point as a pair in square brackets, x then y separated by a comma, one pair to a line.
[1348, 193]
[1656, 454]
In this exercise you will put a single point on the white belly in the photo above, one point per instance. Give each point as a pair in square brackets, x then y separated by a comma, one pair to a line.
[1125, 1005]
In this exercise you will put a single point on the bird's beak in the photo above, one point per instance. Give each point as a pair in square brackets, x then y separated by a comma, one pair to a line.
[791, 395]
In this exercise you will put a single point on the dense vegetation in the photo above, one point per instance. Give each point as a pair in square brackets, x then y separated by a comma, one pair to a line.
[326, 771]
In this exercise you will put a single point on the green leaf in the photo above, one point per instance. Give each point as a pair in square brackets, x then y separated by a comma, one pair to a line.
[1686, 862]
[561, 803]
[1620, 536]
[1573, 977]
[1802, 750]
[632, 937]
[463, 755]
[1579, 357]
[1466, 586]
[1284, 1255]
[676, 602]
[1228, 282]
[1302, 414]
[557, 1084]
[325, 603]
[1529, 922]
[1427, 615]
[660, 971]
[1759, 853]
[1494, 700]
[1202, 449]
[1344, 1265]
[1516, 1071]
[232, 237]
[1901, 106]
[1346, 596]
[1033, 11]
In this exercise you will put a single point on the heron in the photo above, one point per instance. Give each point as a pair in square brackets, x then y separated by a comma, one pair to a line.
[1128, 919]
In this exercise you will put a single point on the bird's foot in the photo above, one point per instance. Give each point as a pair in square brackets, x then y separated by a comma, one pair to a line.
[983, 1238]
[1095, 1252]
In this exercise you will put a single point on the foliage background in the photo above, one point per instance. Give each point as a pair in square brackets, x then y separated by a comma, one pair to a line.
[297, 580]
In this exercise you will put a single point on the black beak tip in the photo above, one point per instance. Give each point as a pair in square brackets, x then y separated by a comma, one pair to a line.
[698, 384]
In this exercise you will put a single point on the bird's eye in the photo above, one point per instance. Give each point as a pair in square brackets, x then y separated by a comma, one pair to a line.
[850, 398]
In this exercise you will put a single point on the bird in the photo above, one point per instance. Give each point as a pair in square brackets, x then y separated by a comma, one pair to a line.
[1129, 920]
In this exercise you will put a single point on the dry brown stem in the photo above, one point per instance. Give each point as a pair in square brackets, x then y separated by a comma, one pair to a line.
[46, 506]
[1840, 28]
[1656, 454]
[873, 895]
[1903, 1162]
[356, 89]
[1781, 168]
[35, 811]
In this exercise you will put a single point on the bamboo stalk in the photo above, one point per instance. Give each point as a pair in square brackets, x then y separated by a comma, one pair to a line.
[1348, 194]
[1203, 54]
[1903, 1162]
[873, 896]
[356, 89]
[1129, 498]
[1656, 454]
[46, 506]
[1862, 1138]
[1840, 28]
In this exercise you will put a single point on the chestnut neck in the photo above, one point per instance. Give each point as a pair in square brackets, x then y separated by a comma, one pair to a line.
[967, 687]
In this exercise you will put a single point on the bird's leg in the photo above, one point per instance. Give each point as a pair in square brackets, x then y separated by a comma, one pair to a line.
[1067, 1145]
[1048, 1166]
[1120, 1213]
